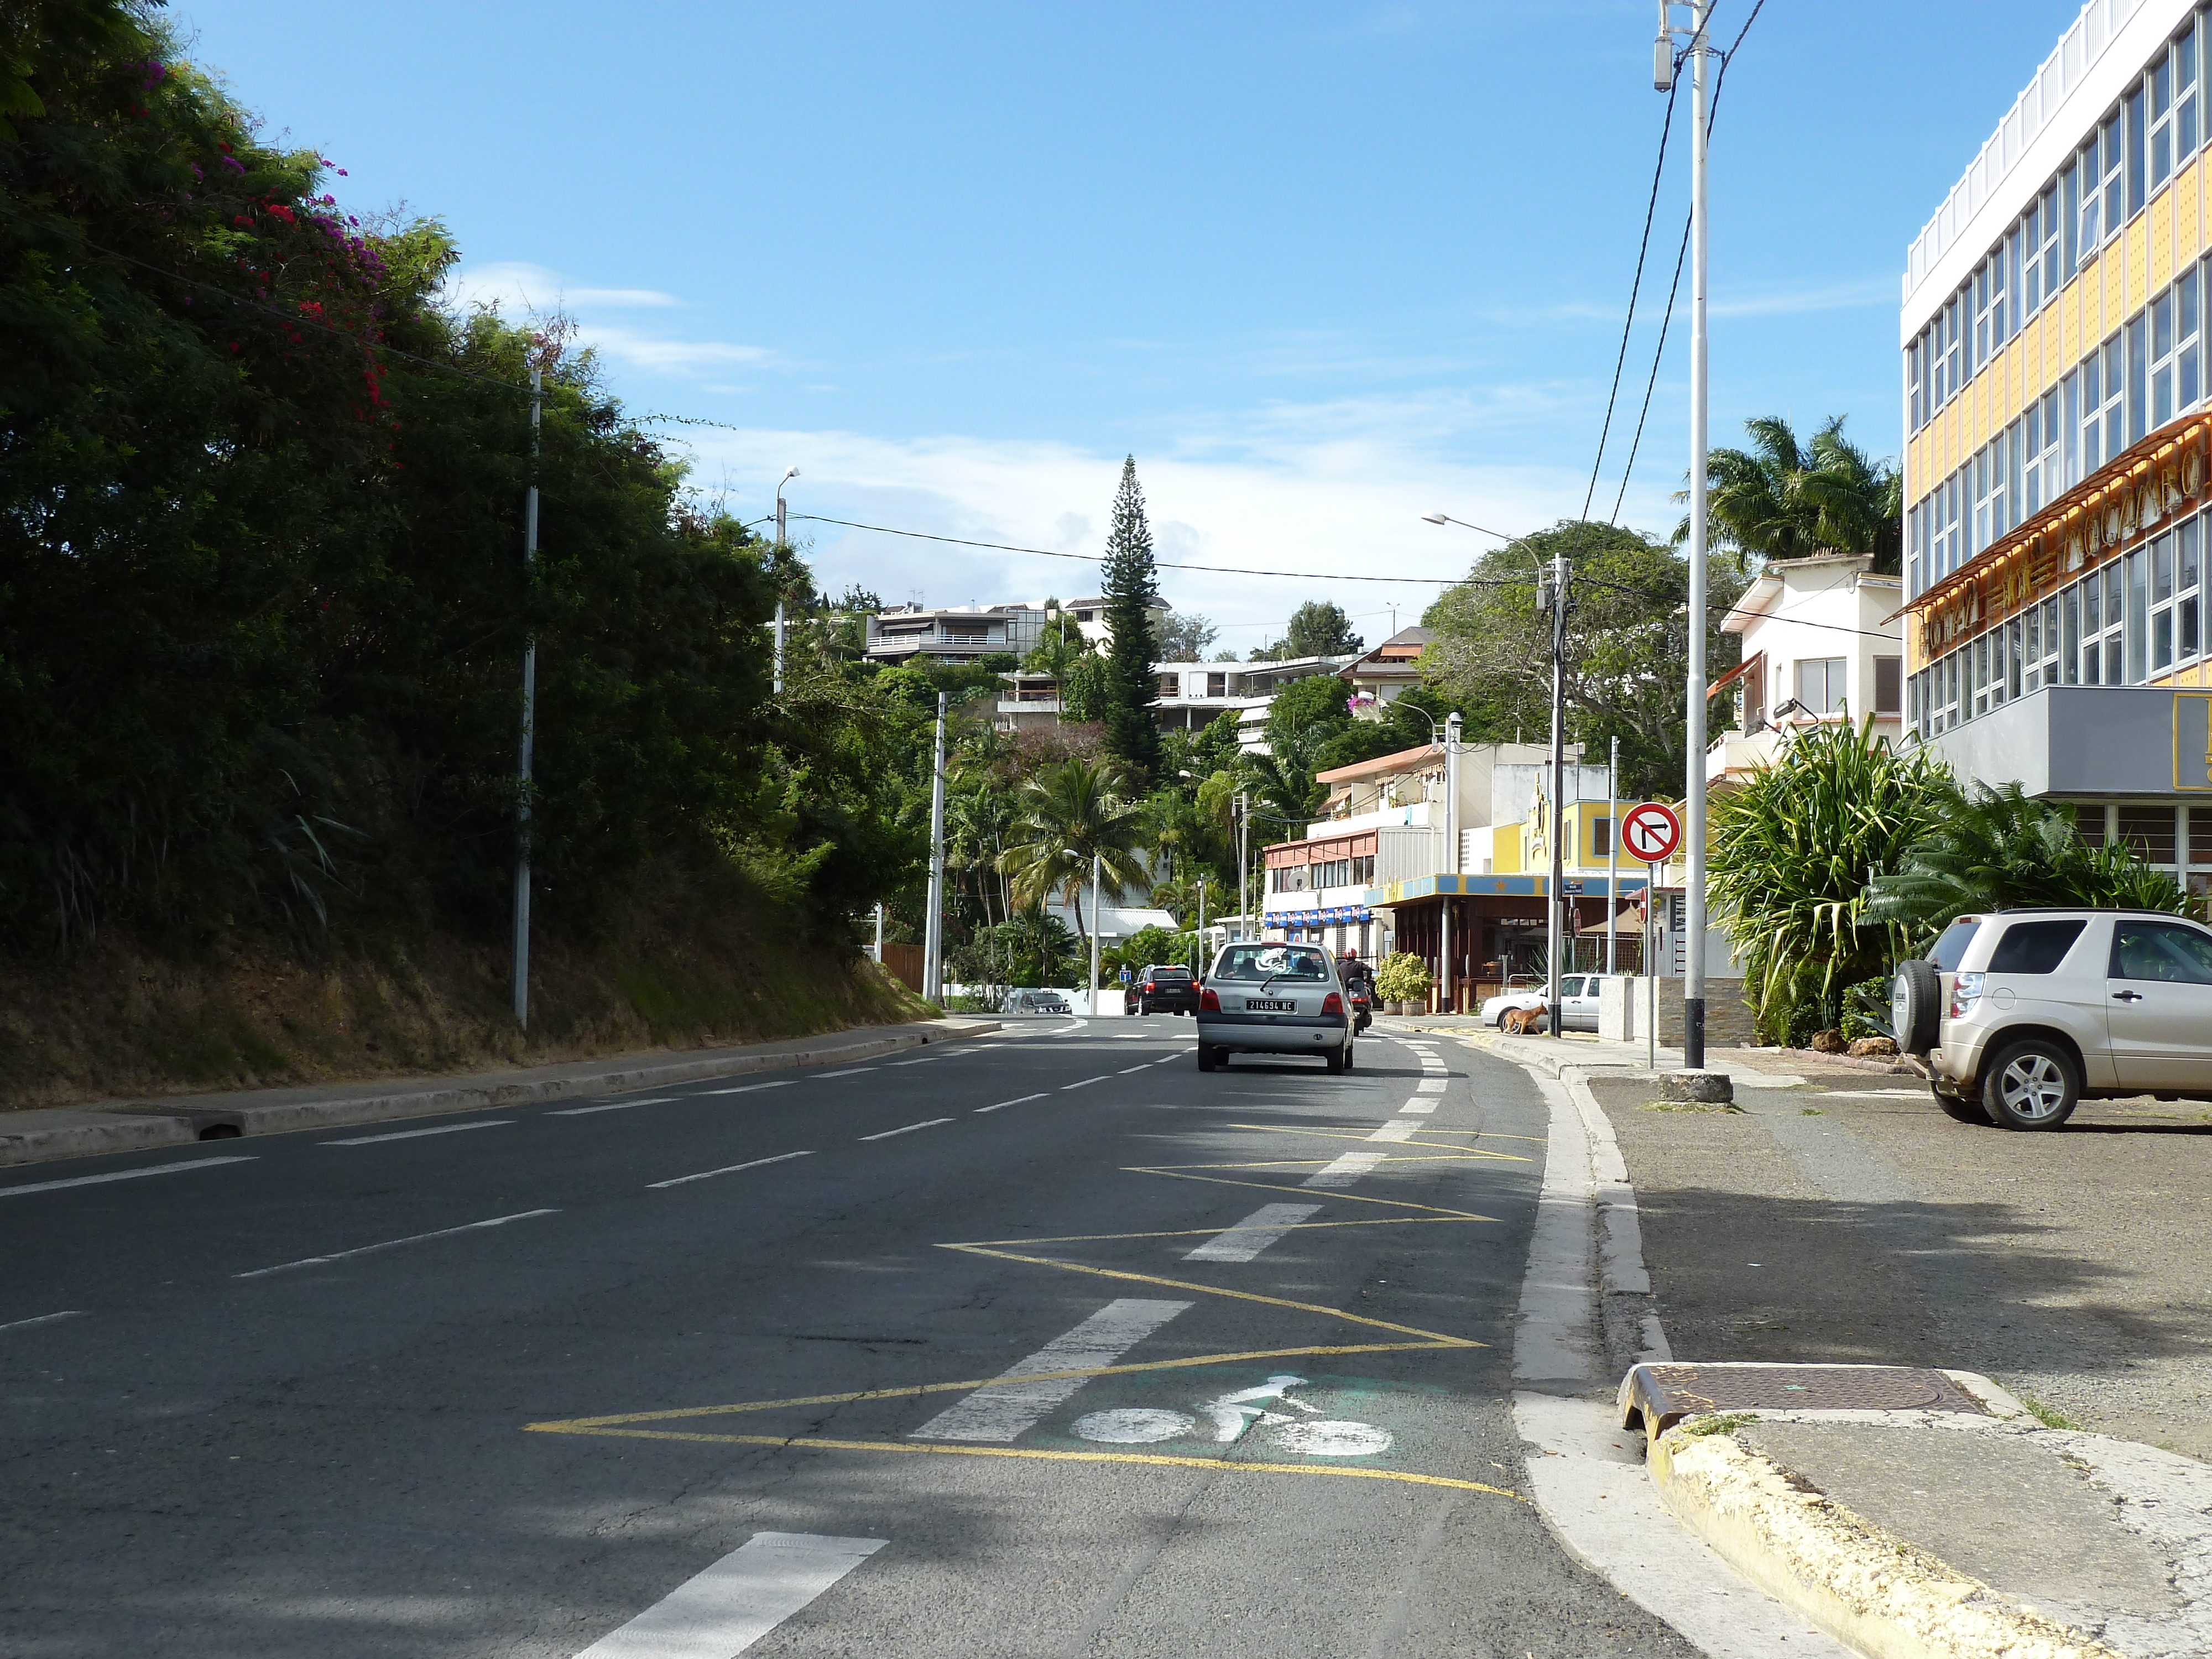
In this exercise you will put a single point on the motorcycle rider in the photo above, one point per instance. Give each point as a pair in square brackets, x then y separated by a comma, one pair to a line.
[1359, 980]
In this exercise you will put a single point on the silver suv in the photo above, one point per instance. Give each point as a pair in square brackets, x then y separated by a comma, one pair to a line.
[2016, 1016]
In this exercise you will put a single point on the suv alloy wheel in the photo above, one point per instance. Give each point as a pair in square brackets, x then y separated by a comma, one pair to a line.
[2031, 1084]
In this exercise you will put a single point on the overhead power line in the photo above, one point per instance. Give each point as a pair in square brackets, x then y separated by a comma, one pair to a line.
[1635, 288]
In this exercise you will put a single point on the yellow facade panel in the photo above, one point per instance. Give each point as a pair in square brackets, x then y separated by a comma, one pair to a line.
[2070, 319]
[2160, 217]
[2138, 289]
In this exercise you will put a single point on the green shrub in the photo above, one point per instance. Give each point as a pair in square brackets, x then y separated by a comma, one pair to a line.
[1403, 977]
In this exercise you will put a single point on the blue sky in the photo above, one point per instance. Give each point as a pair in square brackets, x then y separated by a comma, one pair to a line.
[1322, 269]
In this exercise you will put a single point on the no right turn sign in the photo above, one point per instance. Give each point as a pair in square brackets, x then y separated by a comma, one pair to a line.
[1651, 832]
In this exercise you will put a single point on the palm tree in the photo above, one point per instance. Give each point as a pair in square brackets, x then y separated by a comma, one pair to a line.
[1067, 814]
[1784, 500]
[1996, 849]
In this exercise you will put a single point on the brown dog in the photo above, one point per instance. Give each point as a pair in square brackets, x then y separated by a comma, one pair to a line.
[1526, 1022]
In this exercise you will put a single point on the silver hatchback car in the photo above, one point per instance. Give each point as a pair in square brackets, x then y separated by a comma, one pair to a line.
[1264, 998]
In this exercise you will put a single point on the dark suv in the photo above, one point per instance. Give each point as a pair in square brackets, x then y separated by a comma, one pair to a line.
[1164, 987]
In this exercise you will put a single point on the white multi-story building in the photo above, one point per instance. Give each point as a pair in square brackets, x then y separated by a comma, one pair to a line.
[1821, 643]
[1196, 694]
[969, 633]
[2056, 477]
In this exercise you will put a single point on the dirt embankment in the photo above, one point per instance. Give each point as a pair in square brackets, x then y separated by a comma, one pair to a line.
[119, 1021]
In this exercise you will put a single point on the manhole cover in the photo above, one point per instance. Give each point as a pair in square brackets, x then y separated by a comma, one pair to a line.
[1659, 1397]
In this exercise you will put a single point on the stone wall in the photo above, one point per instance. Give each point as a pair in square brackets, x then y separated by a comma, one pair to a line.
[1624, 1002]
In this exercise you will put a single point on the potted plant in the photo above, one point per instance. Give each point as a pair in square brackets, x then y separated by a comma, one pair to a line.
[1402, 982]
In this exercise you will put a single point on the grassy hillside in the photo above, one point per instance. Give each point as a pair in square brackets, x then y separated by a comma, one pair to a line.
[121, 1021]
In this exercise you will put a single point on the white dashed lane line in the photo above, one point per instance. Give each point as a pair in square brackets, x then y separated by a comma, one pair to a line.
[1086, 1083]
[1431, 1085]
[738, 1600]
[1000, 1413]
[1417, 1104]
[1345, 1171]
[43, 1319]
[117, 1175]
[1016, 1101]
[850, 1071]
[611, 1106]
[1140, 1067]
[730, 1169]
[417, 1135]
[747, 1088]
[1254, 1233]
[1396, 1129]
[907, 1129]
[392, 1244]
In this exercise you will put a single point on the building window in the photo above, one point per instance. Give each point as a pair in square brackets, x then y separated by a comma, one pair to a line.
[2187, 567]
[2138, 618]
[2041, 650]
[2138, 379]
[2148, 832]
[2133, 111]
[2038, 430]
[1602, 838]
[1888, 683]
[1989, 308]
[2175, 363]
[2104, 416]
[1821, 683]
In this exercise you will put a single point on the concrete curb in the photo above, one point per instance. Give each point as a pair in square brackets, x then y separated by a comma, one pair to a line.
[1877, 1593]
[140, 1126]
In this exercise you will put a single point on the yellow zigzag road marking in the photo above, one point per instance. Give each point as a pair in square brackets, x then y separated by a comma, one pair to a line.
[1358, 1134]
[1044, 1454]
[1334, 1197]
[1436, 1337]
[580, 1424]
[1216, 1232]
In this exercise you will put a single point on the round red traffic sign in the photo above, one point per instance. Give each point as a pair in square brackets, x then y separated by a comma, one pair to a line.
[1651, 832]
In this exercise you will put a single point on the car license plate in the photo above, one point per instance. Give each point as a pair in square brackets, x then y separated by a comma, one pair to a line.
[1253, 1004]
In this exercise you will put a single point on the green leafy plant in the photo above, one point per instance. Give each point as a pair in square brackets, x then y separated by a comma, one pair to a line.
[1791, 853]
[1403, 977]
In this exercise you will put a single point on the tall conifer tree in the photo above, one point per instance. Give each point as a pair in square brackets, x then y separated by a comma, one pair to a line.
[1129, 582]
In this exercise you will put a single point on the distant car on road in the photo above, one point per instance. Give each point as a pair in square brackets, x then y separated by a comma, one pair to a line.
[2019, 1015]
[1163, 988]
[1036, 1002]
[1578, 995]
[1267, 998]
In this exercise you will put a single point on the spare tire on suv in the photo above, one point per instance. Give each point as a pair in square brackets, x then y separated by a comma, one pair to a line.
[1916, 1004]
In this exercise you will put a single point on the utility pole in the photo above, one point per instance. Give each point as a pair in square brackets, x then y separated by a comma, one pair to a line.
[521, 970]
[1451, 857]
[880, 931]
[782, 546]
[1244, 865]
[1198, 951]
[932, 946]
[1094, 935]
[1613, 857]
[1553, 594]
[1700, 53]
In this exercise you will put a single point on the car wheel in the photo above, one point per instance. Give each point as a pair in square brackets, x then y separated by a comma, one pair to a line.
[2031, 1086]
[1961, 1109]
[1339, 1061]
[1209, 1057]
[1350, 1054]
[1915, 1005]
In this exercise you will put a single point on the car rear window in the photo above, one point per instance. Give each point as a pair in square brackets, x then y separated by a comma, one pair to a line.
[1271, 962]
[1951, 949]
[2034, 947]
[1170, 973]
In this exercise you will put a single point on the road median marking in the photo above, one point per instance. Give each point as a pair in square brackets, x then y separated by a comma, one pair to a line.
[1267, 1225]
[1016, 1101]
[740, 1598]
[417, 1135]
[392, 1244]
[729, 1168]
[1002, 1412]
[907, 1129]
[117, 1175]
[613, 1106]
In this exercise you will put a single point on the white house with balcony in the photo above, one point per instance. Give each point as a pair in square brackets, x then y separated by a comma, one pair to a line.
[1195, 694]
[1821, 644]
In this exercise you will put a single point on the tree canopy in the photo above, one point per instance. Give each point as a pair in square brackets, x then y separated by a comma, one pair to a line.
[1784, 500]
[1129, 580]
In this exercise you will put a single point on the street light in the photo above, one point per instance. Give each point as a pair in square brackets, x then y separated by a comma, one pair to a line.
[782, 542]
[1446, 518]
[1073, 853]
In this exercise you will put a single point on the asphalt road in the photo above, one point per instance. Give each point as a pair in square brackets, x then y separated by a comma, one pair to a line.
[662, 1375]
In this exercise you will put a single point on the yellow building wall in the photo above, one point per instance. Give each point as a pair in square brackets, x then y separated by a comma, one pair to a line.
[1505, 841]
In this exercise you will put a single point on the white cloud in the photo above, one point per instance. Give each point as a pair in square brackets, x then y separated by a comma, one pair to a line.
[1836, 296]
[527, 291]
[1326, 510]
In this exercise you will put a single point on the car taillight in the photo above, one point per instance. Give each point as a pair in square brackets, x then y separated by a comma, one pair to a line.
[1332, 1004]
[1207, 1002]
[1966, 992]
[1150, 987]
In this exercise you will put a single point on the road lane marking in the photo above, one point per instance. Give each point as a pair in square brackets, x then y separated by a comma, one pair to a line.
[1139, 1066]
[1397, 1128]
[922, 1060]
[1016, 1101]
[1417, 1104]
[747, 1088]
[905, 1130]
[729, 1168]
[43, 1319]
[850, 1071]
[611, 1106]
[1254, 1234]
[1278, 1187]
[118, 1175]
[416, 1135]
[1086, 1083]
[392, 1244]
[1165, 1059]
[1003, 1412]
[741, 1598]
[1431, 1085]
[1345, 1171]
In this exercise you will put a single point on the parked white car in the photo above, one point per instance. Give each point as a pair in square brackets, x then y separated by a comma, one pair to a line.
[2020, 1015]
[1578, 995]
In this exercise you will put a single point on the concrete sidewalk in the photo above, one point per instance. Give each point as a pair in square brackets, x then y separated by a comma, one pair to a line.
[35, 1136]
[1903, 1509]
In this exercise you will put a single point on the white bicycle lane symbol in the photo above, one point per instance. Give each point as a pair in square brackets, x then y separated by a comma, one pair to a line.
[1230, 1416]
